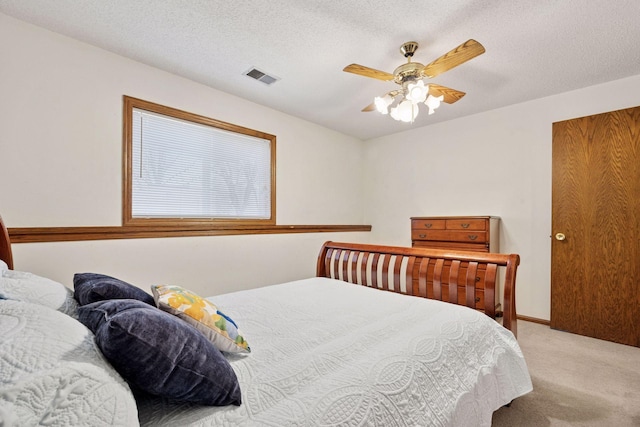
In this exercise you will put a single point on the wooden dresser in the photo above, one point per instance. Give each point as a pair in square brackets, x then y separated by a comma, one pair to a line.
[468, 233]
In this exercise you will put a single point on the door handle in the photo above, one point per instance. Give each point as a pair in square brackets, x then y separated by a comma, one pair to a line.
[560, 236]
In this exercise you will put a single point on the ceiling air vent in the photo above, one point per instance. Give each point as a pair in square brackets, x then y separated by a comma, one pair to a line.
[265, 78]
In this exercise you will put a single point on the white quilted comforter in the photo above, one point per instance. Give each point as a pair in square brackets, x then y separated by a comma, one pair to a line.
[329, 353]
[52, 373]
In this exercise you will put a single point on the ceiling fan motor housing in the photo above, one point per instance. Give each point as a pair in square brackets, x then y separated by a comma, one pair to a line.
[408, 72]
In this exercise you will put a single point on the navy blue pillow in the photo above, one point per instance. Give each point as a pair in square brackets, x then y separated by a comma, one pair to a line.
[92, 287]
[161, 354]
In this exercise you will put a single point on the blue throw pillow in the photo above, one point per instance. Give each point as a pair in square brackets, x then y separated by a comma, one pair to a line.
[92, 287]
[160, 354]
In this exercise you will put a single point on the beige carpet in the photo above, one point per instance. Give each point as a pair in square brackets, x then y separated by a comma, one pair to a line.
[577, 381]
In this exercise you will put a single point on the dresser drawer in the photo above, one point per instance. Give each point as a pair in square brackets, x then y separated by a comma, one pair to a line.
[454, 246]
[428, 224]
[472, 236]
[466, 224]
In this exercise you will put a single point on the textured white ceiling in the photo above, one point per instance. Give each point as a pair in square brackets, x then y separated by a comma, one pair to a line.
[534, 48]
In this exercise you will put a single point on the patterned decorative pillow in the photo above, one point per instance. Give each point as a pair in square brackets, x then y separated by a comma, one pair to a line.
[52, 373]
[92, 287]
[160, 354]
[203, 315]
[28, 287]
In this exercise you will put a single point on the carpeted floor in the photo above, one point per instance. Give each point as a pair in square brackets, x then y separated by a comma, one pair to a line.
[577, 381]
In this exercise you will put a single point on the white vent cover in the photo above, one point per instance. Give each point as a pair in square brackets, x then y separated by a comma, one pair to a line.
[261, 76]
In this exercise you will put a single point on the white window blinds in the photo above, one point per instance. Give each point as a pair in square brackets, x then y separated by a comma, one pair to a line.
[182, 169]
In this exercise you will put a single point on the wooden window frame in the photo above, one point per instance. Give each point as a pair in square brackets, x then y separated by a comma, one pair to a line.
[127, 218]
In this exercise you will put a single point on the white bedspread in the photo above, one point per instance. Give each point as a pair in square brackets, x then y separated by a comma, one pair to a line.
[330, 353]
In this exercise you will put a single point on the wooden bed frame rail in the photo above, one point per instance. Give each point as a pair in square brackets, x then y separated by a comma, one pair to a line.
[460, 277]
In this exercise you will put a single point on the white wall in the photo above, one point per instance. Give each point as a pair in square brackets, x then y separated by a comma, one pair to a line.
[61, 162]
[494, 163]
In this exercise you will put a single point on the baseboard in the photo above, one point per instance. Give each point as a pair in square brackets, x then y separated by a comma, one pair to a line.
[534, 320]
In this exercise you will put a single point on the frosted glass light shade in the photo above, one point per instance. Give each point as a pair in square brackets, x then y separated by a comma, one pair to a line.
[406, 111]
[382, 103]
[417, 92]
[433, 102]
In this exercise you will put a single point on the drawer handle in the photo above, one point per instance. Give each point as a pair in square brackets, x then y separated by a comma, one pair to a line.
[428, 225]
[465, 225]
[422, 236]
[477, 299]
[477, 278]
[473, 236]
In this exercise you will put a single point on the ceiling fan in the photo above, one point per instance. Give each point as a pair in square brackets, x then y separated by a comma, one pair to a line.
[413, 90]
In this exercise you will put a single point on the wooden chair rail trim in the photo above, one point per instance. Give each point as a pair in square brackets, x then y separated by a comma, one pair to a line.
[66, 234]
[455, 270]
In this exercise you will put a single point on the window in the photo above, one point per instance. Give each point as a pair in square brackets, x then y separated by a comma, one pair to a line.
[181, 168]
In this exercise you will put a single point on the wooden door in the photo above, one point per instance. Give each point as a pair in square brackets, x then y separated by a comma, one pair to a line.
[595, 270]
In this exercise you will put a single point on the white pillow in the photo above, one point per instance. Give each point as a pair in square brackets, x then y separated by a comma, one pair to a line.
[27, 287]
[3, 267]
[52, 373]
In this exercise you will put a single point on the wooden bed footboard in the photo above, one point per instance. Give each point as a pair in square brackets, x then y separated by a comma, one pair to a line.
[460, 277]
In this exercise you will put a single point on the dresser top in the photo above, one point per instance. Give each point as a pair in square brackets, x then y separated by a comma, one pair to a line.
[455, 217]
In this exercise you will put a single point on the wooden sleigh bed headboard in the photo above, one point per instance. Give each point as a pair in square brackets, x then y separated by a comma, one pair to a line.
[427, 273]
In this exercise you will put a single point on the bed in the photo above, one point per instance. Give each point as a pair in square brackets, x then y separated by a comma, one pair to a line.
[382, 336]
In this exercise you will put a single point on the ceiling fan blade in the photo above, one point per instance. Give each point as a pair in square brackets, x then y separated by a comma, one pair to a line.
[368, 72]
[450, 95]
[461, 54]
[370, 107]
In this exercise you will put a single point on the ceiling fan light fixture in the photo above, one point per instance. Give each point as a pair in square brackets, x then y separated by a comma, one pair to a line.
[382, 103]
[409, 76]
[406, 111]
[417, 92]
[394, 114]
[433, 102]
